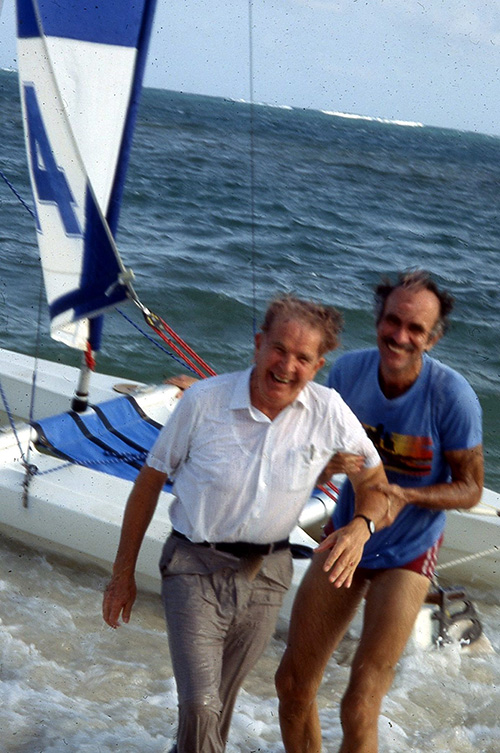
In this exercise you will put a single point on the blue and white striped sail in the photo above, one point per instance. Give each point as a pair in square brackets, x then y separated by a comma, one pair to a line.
[80, 72]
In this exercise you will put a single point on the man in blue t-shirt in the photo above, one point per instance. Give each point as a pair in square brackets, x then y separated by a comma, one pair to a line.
[425, 421]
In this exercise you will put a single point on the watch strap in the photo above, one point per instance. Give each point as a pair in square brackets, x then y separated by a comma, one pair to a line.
[368, 521]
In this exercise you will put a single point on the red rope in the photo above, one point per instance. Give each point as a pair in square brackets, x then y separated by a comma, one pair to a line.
[178, 345]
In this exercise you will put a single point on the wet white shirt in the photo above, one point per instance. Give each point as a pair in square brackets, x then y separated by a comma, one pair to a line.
[238, 476]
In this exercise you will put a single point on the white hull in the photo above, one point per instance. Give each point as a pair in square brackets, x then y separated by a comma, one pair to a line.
[472, 542]
[79, 511]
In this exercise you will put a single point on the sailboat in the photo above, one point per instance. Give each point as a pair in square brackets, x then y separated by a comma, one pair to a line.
[65, 476]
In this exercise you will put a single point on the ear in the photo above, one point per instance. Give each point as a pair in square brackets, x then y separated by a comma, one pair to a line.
[257, 343]
[319, 365]
[432, 341]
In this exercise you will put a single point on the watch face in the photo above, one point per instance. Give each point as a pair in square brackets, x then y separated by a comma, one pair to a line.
[369, 523]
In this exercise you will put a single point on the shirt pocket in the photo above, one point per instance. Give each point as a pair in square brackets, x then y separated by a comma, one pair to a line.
[303, 466]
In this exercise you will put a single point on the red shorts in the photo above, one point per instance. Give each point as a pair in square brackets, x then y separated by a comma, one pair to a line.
[424, 564]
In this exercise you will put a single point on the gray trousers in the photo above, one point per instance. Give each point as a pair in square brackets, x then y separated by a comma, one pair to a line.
[221, 612]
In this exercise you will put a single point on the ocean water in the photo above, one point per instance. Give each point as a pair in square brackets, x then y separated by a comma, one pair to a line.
[224, 206]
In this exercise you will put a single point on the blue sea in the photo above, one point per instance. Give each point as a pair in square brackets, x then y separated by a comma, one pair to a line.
[227, 204]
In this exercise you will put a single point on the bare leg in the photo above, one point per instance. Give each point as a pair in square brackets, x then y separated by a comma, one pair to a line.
[320, 617]
[392, 604]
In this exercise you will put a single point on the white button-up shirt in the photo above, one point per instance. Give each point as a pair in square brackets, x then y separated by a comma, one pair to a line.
[238, 476]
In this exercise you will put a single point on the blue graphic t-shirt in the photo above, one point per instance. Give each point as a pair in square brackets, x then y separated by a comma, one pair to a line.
[440, 412]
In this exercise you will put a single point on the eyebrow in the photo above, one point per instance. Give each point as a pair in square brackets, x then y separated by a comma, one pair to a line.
[412, 326]
[279, 344]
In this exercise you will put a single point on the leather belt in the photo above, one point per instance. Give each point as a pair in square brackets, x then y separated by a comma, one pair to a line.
[238, 548]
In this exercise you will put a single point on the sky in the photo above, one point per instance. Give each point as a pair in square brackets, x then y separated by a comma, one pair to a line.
[435, 62]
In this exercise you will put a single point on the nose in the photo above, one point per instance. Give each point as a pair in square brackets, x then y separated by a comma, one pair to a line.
[400, 334]
[287, 362]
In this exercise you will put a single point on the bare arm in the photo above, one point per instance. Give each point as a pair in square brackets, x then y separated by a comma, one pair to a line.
[121, 591]
[347, 543]
[463, 492]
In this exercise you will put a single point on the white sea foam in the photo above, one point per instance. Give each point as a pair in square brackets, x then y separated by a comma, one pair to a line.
[352, 116]
[69, 683]
[335, 113]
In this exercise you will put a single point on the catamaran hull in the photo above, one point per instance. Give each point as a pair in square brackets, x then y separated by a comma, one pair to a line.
[78, 511]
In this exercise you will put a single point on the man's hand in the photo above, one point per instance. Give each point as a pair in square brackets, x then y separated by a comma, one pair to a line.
[121, 591]
[182, 381]
[341, 462]
[462, 492]
[346, 547]
[118, 599]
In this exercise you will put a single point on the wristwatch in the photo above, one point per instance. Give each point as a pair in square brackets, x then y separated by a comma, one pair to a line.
[369, 523]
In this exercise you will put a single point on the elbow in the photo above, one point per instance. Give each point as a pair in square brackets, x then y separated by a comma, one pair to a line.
[473, 497]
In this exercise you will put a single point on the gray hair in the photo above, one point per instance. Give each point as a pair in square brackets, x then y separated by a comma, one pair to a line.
[416, 280]
[326, 319]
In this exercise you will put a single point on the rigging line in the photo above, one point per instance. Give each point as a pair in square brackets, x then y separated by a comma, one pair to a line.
[12, 422]
[177, 350]
[252, 167]
[29, 468]
[468, 558]
[154, 342]
[37, 353]
[181, 358]
[158, 324]
[18, 195]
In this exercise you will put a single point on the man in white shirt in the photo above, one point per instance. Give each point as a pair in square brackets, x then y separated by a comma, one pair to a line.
[244, 451]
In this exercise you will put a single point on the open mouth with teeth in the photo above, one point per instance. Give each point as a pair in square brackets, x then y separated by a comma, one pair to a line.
[279, 379]
[395, 348]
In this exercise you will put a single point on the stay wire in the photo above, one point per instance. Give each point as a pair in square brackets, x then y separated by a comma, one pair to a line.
[17, 194]
[252, 167]
[29, 468]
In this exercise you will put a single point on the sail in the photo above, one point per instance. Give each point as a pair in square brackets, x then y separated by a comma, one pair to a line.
[80, 73]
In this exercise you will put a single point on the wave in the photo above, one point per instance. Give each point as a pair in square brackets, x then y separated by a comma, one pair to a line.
[334, 113]
[352, 116]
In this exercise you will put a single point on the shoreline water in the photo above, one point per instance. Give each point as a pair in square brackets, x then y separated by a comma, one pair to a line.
[70, 683]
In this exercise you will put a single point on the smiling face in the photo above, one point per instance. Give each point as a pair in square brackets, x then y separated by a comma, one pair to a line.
[406, 331]
[286, 358]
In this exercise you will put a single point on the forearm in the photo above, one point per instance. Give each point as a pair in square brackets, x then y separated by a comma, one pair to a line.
[121, 591]
[376, 506]
[347, 543]
[451, 496]
[462, 492]
[139, 511]
[370, 497]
